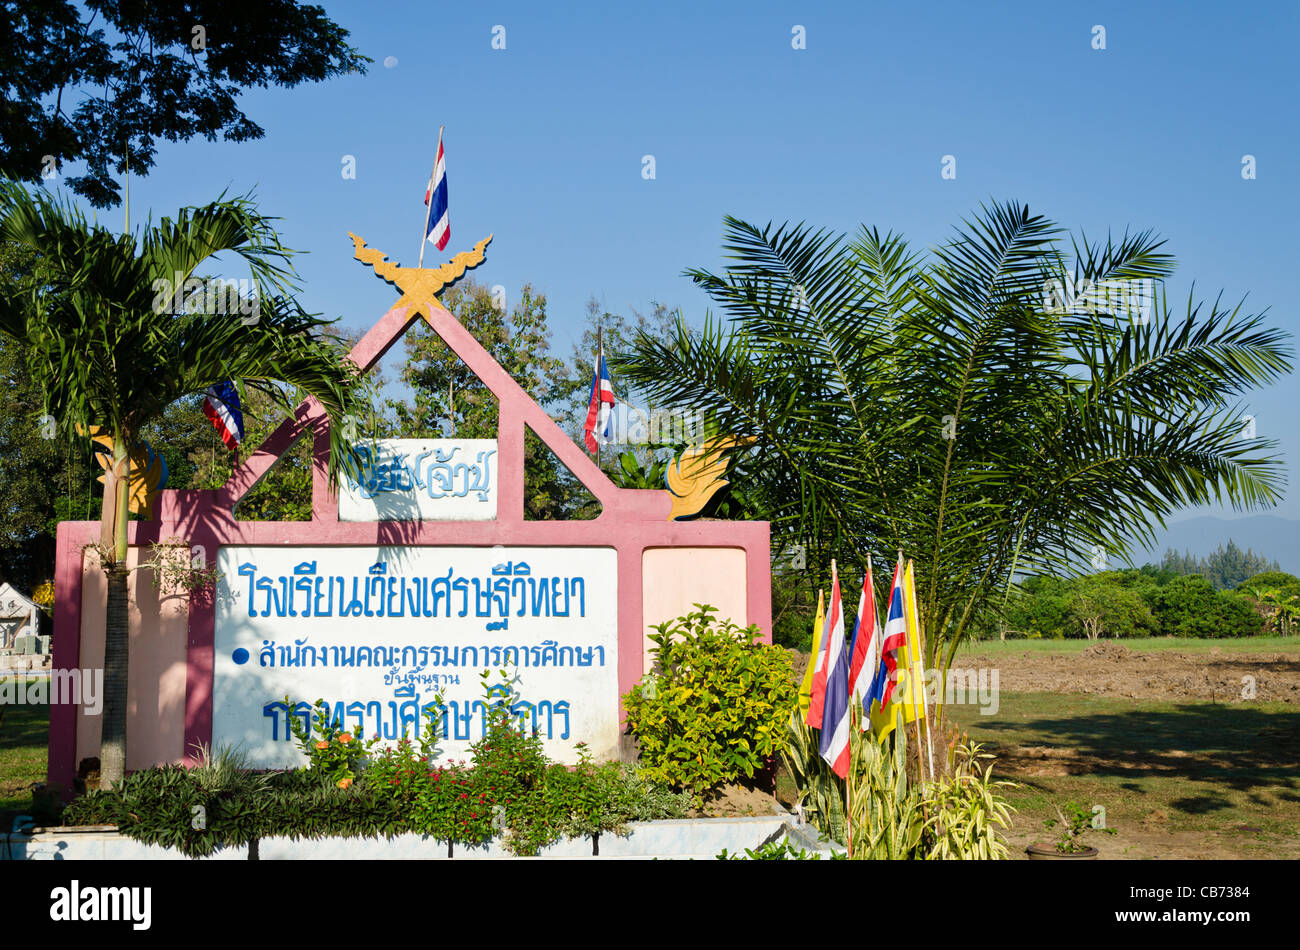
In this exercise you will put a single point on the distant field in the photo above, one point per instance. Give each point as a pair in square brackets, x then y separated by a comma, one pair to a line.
[1176, 779]
[1138, 644]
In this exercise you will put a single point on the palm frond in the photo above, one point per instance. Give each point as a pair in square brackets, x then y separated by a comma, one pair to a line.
[942, 405]
[115, 340]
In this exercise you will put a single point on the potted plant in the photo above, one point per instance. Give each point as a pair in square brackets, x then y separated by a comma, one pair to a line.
[1069, 844]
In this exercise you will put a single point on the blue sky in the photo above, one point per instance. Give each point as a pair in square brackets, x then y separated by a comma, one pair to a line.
[545, 140]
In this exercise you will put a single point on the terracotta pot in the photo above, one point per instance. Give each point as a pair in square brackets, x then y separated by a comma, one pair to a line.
[1042, 852]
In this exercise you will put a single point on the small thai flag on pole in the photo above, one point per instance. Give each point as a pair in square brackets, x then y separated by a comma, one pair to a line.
[895, 639]
[834, 744]
[864, 648]
[437, 223]
[599, 416]
[222, 407]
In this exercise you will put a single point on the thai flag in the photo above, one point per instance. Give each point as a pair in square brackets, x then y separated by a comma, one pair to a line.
[599, 417]
[439, 222]
[864, 653]
[895, 639]
[222, 407]
[835, 711]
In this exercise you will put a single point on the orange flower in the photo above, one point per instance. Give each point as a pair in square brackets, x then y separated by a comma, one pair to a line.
[344, 782]
[345, 738]
[322, 744]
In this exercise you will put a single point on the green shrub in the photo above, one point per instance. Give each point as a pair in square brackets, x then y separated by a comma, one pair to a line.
[1073, 828]
[821, 791]
[1285, 583]
[886, 819]
[956, 817]
[966, 811]
[717, 705]
[508, 787]
[157, 806]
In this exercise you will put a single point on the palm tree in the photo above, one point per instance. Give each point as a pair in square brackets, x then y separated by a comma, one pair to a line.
[1275, 602]
[116, 334]
[948, 407]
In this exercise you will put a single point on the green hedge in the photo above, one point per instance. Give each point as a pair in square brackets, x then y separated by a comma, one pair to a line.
[509, 787]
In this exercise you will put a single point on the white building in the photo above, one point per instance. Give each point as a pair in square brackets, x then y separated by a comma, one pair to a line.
[19, 621]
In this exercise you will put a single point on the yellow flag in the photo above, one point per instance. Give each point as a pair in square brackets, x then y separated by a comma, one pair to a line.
[805, 688]
[913, 698]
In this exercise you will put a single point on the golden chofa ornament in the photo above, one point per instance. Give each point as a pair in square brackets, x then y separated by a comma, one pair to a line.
[420, 285]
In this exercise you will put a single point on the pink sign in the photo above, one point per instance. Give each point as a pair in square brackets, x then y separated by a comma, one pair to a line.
[660, 567]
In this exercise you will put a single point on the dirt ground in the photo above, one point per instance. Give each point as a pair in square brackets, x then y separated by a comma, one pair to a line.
[1109, 668]
[743, 800]
[1112, 669]
[1150, 841]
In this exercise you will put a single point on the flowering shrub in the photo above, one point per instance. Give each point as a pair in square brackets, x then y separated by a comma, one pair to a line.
[511, 788]
[716, 706]
[350, 788]
[333, 752]
[505, 789]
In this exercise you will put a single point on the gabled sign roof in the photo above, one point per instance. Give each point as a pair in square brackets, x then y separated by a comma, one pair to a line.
[419, 298]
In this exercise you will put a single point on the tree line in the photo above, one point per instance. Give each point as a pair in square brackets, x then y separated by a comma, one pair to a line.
[1149, 601]
[1224, 568]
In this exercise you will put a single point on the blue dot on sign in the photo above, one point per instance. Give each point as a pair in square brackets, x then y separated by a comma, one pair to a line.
[240, 656]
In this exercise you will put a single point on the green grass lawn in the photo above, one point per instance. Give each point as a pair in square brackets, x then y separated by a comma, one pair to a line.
[1230, 771]
[1141, 644]
[24, 743]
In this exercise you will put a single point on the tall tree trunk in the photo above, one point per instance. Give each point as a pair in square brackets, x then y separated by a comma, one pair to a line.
[112, 753]
[112, 743]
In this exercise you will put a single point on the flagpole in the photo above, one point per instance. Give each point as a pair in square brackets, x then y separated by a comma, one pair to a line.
[925, 700]
[923, 705]
[874, 658]
[878, 634]
[600, 356]
[424, 235]
[907, 649]
[848, 798]
[848, 788]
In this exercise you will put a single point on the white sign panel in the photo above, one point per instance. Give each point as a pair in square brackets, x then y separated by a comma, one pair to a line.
[379, 632]
[422, 480]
